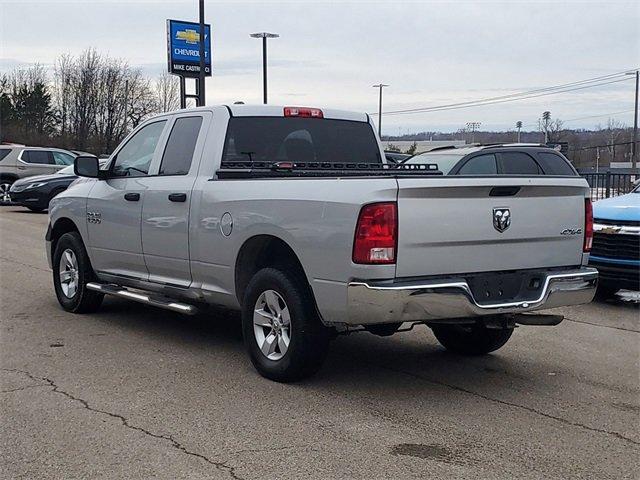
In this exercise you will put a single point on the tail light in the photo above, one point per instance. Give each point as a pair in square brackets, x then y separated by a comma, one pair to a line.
[303, 112]
[376, 236]
[588, 226]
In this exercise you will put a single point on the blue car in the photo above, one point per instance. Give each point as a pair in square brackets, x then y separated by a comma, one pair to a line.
[616, 242]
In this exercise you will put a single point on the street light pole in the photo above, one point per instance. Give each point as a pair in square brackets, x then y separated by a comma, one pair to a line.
[473, 126]
[201, 73]
[634, 145]
[264, 36]
[380, 86]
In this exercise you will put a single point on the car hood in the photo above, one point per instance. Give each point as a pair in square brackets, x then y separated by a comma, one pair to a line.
[43, 178]
[624, 207]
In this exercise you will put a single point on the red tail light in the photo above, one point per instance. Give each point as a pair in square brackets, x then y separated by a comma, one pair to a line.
[588, 225]
[376, 234]
[303, 112]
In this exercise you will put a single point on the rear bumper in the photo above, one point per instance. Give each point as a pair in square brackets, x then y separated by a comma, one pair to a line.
[374, 302]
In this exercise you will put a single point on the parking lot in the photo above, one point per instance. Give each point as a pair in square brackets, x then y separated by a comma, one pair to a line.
[135, 392]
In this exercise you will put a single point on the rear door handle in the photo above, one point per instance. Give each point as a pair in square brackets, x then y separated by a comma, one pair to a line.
[178, 197]
[132, 197]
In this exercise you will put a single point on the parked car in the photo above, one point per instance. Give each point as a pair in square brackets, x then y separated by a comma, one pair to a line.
[292, 216]
[504, 159]
[396, 157]
[616, 242]
[36, 192]
[18, 162]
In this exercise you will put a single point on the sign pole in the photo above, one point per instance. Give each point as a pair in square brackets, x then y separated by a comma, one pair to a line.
[183, 98]
[201, 75]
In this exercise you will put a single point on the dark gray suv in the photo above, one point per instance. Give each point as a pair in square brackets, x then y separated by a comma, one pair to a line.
[20, 162]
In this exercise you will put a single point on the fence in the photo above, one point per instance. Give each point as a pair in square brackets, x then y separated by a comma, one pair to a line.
[605, 185]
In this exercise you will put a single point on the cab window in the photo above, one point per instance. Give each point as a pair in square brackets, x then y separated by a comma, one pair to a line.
[134, 158]
[480, 165]
[61, 158]
[178, 153]
[518, 163]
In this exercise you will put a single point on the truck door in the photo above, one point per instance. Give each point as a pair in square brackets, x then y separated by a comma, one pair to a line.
[165, 210]
[114, 205]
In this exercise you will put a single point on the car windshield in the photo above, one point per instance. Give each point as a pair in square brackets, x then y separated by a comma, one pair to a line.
[66, 170]
[445, 161]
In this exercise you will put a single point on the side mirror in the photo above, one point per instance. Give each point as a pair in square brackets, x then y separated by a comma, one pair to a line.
[86, 166]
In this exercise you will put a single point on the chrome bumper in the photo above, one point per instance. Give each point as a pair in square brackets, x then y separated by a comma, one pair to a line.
[388, 302]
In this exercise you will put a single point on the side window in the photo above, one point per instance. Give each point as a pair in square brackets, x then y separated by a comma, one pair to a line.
[37, 156]
[4, 152]
[178, 153]
[480, 165]
[554, 164]
[518, 163]
[134, 158]
[61, 158]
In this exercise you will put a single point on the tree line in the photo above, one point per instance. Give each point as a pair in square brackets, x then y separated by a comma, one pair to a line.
[87, 102]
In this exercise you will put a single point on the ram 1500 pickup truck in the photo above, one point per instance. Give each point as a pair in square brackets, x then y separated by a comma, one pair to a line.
[293, 216]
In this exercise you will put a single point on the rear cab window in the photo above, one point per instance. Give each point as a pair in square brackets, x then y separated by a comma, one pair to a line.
[275, 139]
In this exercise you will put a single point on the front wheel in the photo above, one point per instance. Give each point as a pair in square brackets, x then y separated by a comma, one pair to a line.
[471, 339]
[283, 334]
[71, 273]
[5, 196]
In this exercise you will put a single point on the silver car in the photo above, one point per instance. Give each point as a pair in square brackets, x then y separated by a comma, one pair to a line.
[20, 162]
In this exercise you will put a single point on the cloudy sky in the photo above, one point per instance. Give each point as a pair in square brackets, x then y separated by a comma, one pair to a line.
[331, 53]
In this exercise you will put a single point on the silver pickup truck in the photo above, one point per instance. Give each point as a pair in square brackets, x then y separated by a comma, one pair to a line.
[292, 216]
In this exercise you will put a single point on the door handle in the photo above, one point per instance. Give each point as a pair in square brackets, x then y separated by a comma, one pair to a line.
[132, 197]
[178, 197]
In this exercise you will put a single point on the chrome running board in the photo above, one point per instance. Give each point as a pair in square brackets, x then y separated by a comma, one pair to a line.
[148, 299]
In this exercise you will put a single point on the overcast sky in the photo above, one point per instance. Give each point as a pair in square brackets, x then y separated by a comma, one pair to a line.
[331, 53]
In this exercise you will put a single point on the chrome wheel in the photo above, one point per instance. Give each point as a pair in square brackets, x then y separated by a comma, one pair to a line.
[4, 192]
[272, 325]
[68, 271]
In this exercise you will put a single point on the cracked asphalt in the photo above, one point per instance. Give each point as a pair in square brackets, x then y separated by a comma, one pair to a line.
[134, 392]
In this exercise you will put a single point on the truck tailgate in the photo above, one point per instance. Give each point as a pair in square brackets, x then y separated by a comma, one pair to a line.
[446, 225]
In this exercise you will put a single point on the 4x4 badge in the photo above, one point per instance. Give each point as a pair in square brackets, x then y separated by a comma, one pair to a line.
[501, 218]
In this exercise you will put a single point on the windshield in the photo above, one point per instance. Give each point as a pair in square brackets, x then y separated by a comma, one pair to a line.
[276, 139]
[445, 161]
[66, 171]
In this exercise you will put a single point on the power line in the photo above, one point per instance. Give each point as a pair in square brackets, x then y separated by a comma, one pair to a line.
[588, 83]
[601, 146]
[480, 103]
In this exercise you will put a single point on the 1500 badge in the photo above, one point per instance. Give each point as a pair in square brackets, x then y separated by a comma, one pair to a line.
[94, 217]
[571, 231]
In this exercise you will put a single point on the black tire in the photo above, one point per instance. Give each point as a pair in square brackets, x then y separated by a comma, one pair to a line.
[309, 338]
[606, 291]
[36, 209]
[471, 339]
[83, 300]
[5, 185]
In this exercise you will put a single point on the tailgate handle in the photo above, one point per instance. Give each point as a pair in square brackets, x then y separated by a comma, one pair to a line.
[503, 191]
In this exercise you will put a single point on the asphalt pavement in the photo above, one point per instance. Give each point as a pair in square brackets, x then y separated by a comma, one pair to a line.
[133, 392]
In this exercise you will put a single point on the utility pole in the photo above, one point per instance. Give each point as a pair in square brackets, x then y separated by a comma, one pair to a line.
[634, 145]
[519, 126]
[201, 74]
[264, 36]
[546, 118]
[380, 86]
[473, 126]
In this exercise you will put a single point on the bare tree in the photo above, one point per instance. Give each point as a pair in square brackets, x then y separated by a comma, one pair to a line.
[552, 130]
[167, 91]
[140, 102]
[85, 85]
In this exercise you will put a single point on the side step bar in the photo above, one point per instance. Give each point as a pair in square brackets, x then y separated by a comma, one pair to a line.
[148, 299]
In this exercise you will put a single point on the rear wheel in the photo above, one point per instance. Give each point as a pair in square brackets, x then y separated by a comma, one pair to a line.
[5, 186]
[71, 273]
[471, 339]
[283, 334]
